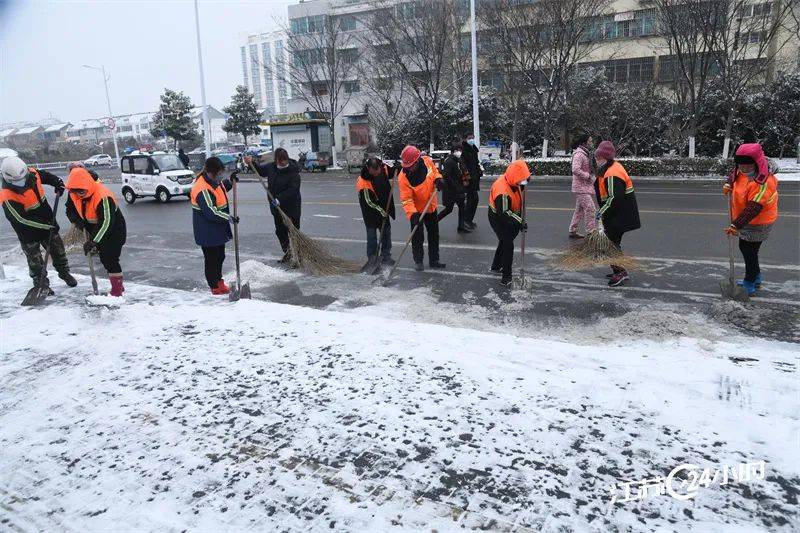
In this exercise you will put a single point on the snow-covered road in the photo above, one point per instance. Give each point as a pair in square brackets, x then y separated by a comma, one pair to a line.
[178, 411]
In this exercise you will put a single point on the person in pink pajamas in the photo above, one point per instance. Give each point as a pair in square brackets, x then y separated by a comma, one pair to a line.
[582, 185]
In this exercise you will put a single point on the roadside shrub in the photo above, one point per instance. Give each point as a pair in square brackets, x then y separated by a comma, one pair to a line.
[636, 166]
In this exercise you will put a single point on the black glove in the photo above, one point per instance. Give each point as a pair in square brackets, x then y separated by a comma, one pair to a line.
[89, 247]
[438, 184]
[59, 187]
[524, 226]
[234, 219]
[397, 167]
[415, 219]
[234, 176]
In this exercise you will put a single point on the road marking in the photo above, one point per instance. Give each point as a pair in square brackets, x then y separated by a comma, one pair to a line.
[577, 284]
[553, 251]
[600, 286]
[570, 209]
[327, 216]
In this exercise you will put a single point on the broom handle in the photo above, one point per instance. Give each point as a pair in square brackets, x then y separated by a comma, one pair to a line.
[386, 210]
[411, 235]
[284, 216]
[236, 233]
[732, 271]
[522, 267]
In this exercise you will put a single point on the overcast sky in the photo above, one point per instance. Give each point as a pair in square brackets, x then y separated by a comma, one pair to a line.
[145, 45]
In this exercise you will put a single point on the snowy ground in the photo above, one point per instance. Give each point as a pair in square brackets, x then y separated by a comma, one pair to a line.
[181, 411]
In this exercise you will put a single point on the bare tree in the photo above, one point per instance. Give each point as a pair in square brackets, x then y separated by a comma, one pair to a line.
[383, 89]
[323, 59]
[416, 37]
[746, 41]
[539, 45]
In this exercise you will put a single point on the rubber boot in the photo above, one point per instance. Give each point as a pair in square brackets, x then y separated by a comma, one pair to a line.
[220, 289]
[68, 278]
[749, 286]
[116, 285]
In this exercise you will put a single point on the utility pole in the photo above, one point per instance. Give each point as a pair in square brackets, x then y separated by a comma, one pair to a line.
[206, 128]
[102, 70]
[476, 127]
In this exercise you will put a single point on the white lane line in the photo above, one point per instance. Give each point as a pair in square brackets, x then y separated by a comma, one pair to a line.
[327, 216]
[600, 286]
[577, 284]
[553, 251]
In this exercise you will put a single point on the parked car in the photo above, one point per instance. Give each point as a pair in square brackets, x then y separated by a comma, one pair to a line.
[159, 175]
[99, 160]
[312, 161]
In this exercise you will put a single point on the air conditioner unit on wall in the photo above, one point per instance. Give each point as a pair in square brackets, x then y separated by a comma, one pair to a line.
[621, 17]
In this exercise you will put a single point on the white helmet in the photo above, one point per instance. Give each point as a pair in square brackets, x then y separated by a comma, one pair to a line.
[14, 170]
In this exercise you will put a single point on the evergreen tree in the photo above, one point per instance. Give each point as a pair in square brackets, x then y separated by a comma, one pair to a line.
[243, 114]
[174, 117]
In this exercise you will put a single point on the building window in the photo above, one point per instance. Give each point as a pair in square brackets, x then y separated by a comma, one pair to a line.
[491, 78]
[351, 87]
[244, 66]
[269, 74]
[755, 10]
[255, 74]
[348, 55]
[348, 23]
[315, 24]
[667, 69]
[635, 70]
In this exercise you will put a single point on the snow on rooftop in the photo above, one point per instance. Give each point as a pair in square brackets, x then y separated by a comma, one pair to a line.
[184, 411]
[28, 130]
[57, 127]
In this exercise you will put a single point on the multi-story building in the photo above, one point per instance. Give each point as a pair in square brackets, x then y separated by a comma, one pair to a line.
[265, 61]
[625, 42]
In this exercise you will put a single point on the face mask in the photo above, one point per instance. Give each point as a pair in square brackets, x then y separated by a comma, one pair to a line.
[457, 154]
[471, 142]
[750, 174]
[283, 166]
[523, 182]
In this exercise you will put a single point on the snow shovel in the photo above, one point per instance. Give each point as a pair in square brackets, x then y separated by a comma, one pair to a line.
[90, 259]
[729, 289]
[373, 265]
[521, 282]
[385, 281]
[37, 294]
[239, 291]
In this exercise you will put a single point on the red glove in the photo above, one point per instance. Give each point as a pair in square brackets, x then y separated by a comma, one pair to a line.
[731, 230]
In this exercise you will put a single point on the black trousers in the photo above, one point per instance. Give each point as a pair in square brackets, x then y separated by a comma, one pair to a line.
[616, 238]
[750, 254]
[281, 231]
[214, 257]
[431, 224]
[504, 254]
[110, 250]
[471, 206]
[448, 208]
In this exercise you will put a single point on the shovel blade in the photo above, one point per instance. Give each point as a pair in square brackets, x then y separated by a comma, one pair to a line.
[732, 291]
[244, 292]
[234, 296]
[35, 296]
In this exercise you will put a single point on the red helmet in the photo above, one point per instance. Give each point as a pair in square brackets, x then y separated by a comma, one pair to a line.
[409, 156]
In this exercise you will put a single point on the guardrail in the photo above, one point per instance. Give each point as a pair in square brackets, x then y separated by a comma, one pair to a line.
[51, 166]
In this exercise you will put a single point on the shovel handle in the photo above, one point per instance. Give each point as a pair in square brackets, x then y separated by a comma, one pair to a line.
[411, 235]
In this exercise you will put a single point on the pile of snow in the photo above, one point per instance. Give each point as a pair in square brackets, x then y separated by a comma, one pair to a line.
[184, 411]
[260, 275]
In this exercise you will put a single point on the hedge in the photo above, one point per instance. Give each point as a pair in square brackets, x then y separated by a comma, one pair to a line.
[666, 166]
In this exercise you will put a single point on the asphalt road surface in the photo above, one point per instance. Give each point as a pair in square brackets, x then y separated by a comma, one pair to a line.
[681, 244]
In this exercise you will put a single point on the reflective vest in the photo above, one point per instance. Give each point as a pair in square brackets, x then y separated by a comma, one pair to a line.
[766, 194]
[362, 184]
[501, 188]
[86, 207]
[218, 192]
[616, 170]
[415, 198]
[31, 198]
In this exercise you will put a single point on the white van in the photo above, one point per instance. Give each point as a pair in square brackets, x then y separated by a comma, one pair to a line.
[161, 176]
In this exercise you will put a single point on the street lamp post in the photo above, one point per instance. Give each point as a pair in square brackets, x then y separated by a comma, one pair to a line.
[476, 127]
[102, 70]
[207, 132]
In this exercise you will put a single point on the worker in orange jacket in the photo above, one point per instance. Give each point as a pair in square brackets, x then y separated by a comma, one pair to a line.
[506, 217]
[754, 208]
[418, 182]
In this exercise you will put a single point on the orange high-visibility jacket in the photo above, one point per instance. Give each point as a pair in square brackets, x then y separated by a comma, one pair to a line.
[506, 187]
[29, 199]
[414, 199]
[766, 194]
[86, 207]
[219, 194]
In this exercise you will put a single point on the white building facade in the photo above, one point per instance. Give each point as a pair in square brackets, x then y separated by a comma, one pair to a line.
[265, 61]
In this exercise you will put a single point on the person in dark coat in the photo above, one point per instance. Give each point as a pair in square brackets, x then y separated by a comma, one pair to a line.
[374, 190]
[283, 182]
[211, 220]
[453, 187]
[617, 200]
[183, 157]
[469, 158]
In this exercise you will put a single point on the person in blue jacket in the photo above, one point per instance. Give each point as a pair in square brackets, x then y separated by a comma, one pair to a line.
[211, 220]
